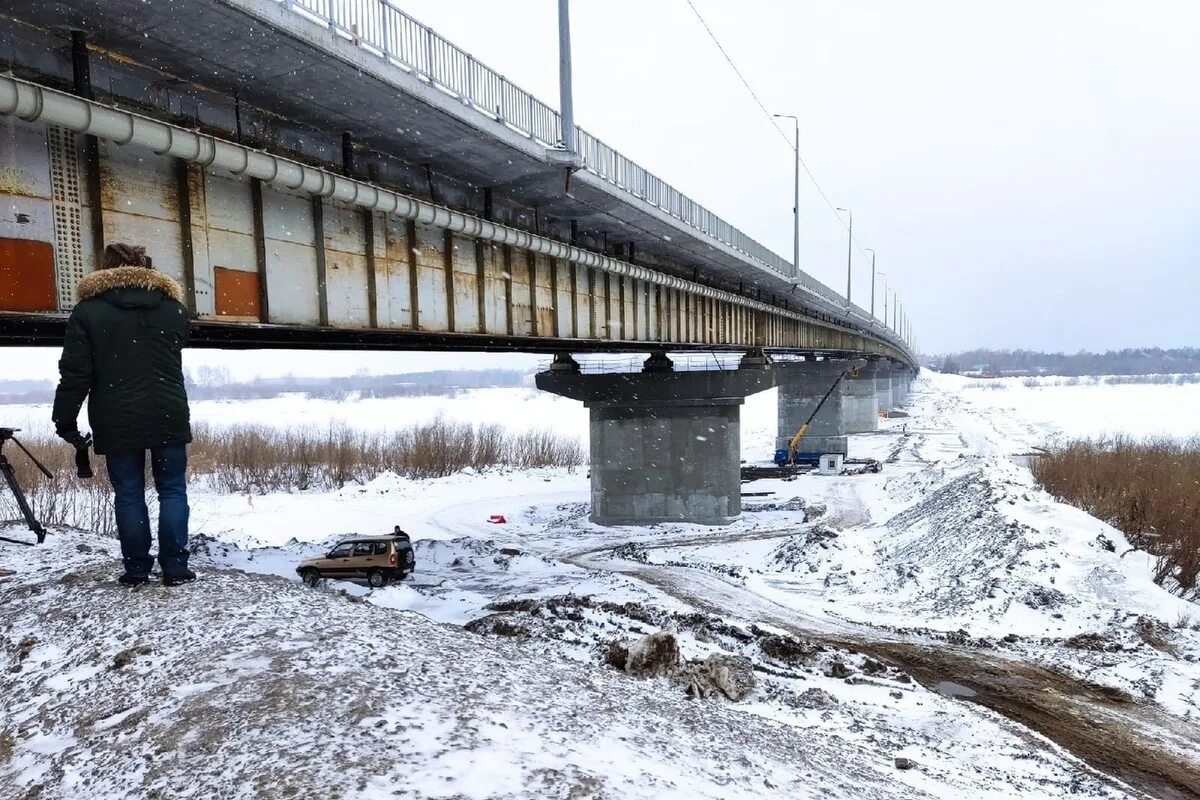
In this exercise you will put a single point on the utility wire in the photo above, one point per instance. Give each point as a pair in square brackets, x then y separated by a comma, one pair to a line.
[738, 72]
[770, 118]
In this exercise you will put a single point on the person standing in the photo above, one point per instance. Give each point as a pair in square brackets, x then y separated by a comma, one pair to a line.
[123, 352]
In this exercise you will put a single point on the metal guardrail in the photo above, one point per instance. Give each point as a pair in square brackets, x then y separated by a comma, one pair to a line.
[380, 27]
[383, 29]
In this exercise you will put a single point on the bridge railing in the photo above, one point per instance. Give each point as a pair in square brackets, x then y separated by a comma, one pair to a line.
[384, 30]
[380, 27]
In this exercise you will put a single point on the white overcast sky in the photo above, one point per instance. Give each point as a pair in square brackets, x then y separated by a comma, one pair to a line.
[1028, 170]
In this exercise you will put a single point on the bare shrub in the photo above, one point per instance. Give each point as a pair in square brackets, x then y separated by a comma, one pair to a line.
[1165, 379]
[259, 458]
[538, 448]
[1147, 489]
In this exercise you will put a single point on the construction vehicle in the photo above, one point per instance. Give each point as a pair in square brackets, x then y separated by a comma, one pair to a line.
[792, 455]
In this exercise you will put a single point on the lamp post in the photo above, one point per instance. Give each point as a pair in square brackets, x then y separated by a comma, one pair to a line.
[849, 255]
[884, 275]
[796, 198]
[871, 250]
[566, 99]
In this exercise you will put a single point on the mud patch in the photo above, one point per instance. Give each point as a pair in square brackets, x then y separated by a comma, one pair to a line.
[1103, 726]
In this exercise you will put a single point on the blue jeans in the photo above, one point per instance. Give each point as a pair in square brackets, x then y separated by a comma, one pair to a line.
[127, 472]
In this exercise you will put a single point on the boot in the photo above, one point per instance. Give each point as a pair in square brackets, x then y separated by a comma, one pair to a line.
[179, 578]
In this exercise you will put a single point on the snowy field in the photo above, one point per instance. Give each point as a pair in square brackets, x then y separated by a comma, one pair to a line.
[942, 629]
[1057, 410]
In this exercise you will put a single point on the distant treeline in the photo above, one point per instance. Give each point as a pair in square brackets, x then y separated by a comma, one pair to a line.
[1131, 361]
[216, 383]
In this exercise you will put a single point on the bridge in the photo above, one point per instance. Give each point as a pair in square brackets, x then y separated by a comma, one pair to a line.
[334, 174]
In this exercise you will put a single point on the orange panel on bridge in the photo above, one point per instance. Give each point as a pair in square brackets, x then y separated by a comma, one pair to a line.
[237, 293]
[27, 275]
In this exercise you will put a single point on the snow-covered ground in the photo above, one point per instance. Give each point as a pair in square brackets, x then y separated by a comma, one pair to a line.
[945, 611]
[1058, 408]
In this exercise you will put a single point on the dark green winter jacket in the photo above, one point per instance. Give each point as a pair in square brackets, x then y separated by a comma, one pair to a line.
[123, 351]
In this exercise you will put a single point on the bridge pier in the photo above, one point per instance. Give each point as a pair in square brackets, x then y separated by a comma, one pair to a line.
[802, 384]
[665, 445]
[901, 381]
[860, 404]
[883, 386]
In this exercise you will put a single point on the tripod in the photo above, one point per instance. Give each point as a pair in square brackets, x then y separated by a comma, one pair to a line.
[10, 477]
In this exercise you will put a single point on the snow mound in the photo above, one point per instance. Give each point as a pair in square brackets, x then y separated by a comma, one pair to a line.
[982, 548]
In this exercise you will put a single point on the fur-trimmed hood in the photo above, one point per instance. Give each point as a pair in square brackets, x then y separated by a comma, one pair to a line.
[97, 283]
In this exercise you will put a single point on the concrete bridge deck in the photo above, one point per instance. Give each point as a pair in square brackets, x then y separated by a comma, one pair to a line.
[488, 252]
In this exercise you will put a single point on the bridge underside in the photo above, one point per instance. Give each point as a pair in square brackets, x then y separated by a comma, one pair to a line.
[47, 330]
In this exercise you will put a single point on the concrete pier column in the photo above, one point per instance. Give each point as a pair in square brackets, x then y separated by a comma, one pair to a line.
[802, 384]
[883, 386]
[665, 445]
[860, 402]
[899, 387]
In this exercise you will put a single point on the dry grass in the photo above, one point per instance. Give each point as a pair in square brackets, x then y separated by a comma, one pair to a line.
[257, 458]
[261, 459]
[1150, 490]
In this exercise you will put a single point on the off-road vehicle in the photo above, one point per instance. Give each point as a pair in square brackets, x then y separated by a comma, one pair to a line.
[376, 559]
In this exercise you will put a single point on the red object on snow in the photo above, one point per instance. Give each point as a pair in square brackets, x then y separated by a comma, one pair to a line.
[497, 519]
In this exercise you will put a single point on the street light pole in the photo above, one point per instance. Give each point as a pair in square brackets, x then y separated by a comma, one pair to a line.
[796, 199]
[566, 99]
[849, 256]
[871, 250]
[884, 275]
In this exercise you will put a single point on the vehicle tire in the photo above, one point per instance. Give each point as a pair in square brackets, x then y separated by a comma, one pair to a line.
[311, 578]
[376, 579]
